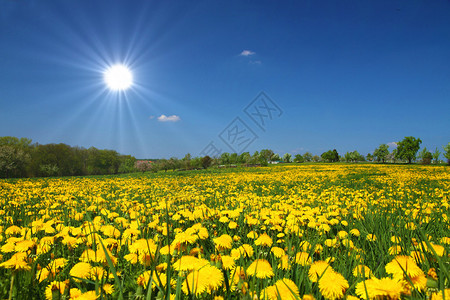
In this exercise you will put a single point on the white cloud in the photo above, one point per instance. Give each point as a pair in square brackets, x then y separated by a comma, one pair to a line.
[247, 53]
[392, 144]
[172, 118]
[255, 62]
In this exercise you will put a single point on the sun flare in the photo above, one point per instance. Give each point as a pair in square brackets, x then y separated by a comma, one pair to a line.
[118, 78]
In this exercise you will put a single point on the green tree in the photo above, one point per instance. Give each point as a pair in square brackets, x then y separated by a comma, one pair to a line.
[436, 155]
[308, 157]
[266, 155]
[330, 156]
[287, 157]
[298, 158]
[186, 161]
[276, 157]
[225, 158]
[381, 152]
[244, 158]
[447, 153]
[369, 157]
[206, 162]
[14, 156]
[407, 148]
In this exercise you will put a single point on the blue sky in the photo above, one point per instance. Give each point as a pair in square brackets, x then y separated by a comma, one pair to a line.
[348, 75]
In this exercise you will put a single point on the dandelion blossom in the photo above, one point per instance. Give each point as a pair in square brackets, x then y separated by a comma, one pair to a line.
[318, 269]
[264, 240]
[402, 265]
[260, 268]
[333, 285]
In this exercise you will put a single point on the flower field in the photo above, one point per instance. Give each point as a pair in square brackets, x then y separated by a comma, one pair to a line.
[318, 231]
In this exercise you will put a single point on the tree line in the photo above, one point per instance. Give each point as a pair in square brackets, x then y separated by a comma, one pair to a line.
[22, 158]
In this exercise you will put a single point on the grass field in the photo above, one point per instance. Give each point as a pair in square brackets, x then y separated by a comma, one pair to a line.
[281, 232]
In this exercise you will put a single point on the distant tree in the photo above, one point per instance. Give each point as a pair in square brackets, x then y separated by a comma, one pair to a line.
[308, 157]
[14, 156]
[407, 148]
[206, 162]
[347, 157]
[255, 158]
[330, 156]
[13, 161]
[234, 157]
[447, 153]
[436, 155]
[266, 155]
[145, 165]
[316, 158]
[225, 158]
[244, 158]
[196, 162]
[381, 152]
[298, 158]
[425, 156]
[369, 157]
[127, 164]
[287, 157]
[276, 157]
[186, 162]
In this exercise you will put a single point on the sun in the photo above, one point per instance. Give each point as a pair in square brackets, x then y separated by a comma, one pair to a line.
[118, 78]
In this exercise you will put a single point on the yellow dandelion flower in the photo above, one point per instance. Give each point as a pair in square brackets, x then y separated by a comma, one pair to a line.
[333, 285]
[437, 248]
[205, 279]
[252, 235]
[278, 252]
[342, 234]
[418, 256]
[97, 273]
[308, 297]
[57, 287]
[303, 258]
[402, 264]
[318, 269]
[24, 246]
[232, 225]
[264, 240]
[395, 250]
[362, 271]
[81, 270]
[441, 294]
[355, 232]
[184, 238]
[223, 242]
[396, 239]
[286, 289]
[371, 237]
[189, 263]
[238, 274]
[380, 288]
[284, 263]
[227, 262]
[13, 230]
[17, 262]
[8, 247]
[246, 250]
[260, 268]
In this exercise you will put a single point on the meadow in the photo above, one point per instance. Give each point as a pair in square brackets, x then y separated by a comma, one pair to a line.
[312, 231]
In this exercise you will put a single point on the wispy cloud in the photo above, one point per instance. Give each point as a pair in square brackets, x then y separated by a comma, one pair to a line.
[392, 144]
[246, 53]
[255, 62]
[172, 118]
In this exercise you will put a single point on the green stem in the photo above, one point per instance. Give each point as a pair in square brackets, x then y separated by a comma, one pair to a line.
[13, 275]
